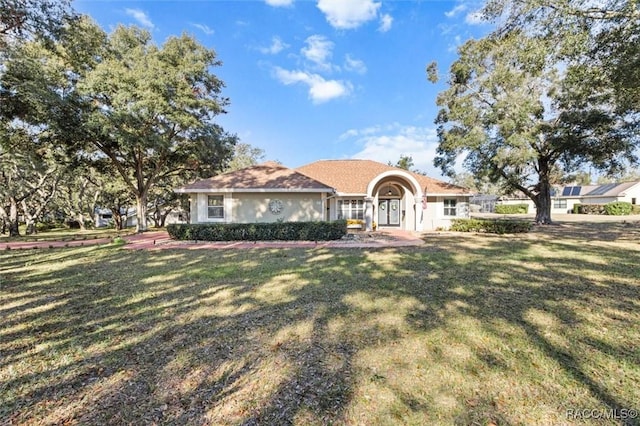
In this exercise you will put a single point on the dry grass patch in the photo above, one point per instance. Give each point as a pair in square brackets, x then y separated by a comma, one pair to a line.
[470, 329]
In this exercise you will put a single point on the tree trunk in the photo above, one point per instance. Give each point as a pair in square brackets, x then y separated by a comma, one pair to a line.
[141, 212]
[543, 204]
[117, 218]
[14, 231]
[163, 217]
[80, 217]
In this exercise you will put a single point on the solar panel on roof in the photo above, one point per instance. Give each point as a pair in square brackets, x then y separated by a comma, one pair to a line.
[576, 190]
[566, 191]
[603, 189]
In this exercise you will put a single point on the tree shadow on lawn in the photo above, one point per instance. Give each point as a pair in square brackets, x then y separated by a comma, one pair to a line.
[298, 336]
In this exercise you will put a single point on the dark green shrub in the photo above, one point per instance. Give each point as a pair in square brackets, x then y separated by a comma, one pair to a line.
[491, 226]
[618, 208]
[512, 208]
[284, 231]
[576, 208]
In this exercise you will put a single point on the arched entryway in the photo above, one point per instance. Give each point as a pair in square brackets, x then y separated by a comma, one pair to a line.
[389, 205]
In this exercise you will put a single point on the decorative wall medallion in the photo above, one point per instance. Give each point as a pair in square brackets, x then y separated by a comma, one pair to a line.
[275, 206]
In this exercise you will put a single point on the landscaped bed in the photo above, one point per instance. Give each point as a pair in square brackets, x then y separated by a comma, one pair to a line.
[467, 329]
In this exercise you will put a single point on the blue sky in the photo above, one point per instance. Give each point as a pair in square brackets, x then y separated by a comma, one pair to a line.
[323, 79]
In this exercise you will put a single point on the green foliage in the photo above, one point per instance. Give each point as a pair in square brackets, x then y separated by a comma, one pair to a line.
[615, 208]
[283, 231]
[596, 209]
[618, 208]
[491, 226]
[516, 117]
[512, 208]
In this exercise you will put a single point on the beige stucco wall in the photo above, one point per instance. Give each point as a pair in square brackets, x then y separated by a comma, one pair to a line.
[254, 207]
[433, 217]
[301, 207]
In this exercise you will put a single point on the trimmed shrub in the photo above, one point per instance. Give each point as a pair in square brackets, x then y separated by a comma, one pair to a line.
[618, 208]
[283, 231]
[491, 226]
[591, 209]
[576, 208]
[512, 208]
[635, 209]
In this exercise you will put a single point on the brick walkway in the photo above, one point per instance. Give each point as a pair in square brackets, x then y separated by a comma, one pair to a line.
[159, 240]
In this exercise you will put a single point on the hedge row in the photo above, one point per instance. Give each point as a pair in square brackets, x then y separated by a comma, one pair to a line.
[615, 208]
[283, 231]
[491, 226]
[512, 208]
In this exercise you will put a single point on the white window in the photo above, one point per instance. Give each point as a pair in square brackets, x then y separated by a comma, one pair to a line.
[450, 207]
[559, 204]
[215, 207]
[351, 209]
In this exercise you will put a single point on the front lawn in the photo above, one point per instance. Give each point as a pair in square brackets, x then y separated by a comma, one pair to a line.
[468, 329]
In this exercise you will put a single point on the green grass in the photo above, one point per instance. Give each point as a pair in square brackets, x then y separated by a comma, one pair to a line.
[468, 329]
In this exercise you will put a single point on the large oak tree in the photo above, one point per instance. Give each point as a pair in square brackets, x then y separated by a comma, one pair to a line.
[153, 109]
[521, 106]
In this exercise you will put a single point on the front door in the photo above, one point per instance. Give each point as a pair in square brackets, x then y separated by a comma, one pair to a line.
[389, 212]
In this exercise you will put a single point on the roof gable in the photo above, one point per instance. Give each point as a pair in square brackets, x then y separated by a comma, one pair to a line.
[353, 176]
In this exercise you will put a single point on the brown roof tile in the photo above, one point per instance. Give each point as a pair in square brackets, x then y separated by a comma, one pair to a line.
[353, 176]
[266, 176]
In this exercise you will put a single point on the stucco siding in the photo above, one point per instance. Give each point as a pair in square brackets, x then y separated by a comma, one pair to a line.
[251, 208]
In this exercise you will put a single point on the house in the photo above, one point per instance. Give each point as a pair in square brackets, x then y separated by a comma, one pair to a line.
[328, 190]
[564, 198]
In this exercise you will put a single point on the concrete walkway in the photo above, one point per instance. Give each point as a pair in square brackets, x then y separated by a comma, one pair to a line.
[159, 240]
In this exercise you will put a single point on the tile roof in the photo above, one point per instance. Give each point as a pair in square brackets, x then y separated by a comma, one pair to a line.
[353, 176]
[265, 176]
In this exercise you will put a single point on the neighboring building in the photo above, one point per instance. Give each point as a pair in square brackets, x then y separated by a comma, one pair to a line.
[564, 198]
[328, 190]
[104, 217]
[483, 203]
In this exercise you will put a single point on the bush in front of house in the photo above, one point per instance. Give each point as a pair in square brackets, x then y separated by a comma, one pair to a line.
[491, 226]
[512, 208]
[590, 209]
[614, 208]
[618, 208]
[283, 231]
[635, 209]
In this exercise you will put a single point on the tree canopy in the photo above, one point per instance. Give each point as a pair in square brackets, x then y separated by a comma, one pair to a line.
[94, 99]
[153, 110]
[518, 111]
[24, 18]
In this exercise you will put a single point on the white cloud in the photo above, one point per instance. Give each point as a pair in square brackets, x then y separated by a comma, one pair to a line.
[204, 28]
[354, 65]
[387, 143]
[457, 42]
[141, 17]
[320, 89]
[455, 11]
[277, 46]
[279, 3]
[319, 51]
[348, 14]
[474, 18]
[386, 21]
